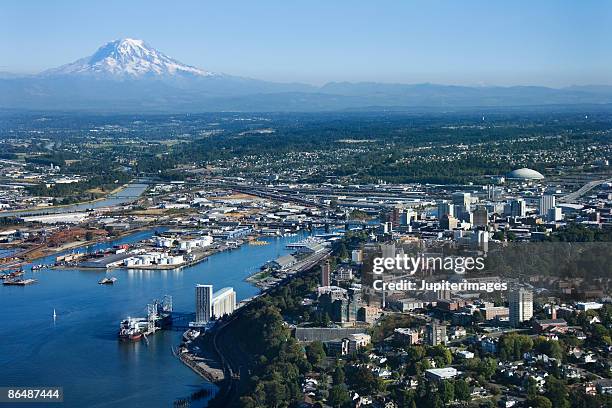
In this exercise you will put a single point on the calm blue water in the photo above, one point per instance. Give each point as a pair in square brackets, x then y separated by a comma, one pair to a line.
[124, 196]
[80, 350]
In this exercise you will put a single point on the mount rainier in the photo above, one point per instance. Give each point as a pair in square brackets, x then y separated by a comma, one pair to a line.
[128, 58]
[128, 75]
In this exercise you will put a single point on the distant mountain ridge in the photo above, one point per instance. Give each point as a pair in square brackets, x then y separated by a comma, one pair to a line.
[129, 75]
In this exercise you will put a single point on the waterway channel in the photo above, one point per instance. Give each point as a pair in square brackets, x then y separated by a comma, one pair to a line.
[79, 350]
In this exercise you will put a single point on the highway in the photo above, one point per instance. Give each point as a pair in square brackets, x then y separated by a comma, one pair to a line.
[571, 197]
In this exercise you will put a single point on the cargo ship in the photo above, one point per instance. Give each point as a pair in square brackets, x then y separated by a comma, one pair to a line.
[133, 329]
[159, 316]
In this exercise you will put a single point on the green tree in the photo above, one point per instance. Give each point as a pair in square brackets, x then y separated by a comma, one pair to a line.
[557, 392]
[442, 355]
[462, 390]
[447, 391]
[540, 402]
[363, 381]
[339, 376]
[338, 396]
[315, 353]
[512, 346]
[532, 388]
[487, 367]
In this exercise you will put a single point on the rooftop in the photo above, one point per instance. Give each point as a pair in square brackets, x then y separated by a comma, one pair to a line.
[525, 174]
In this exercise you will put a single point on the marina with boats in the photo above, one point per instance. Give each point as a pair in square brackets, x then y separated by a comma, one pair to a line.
[15, 278]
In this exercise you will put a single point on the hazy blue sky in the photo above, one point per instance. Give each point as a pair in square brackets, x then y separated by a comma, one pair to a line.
[552, 42]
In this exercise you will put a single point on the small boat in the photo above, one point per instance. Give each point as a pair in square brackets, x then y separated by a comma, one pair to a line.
[54, 314]
[107, 281]
[18, 282]
[14, 274]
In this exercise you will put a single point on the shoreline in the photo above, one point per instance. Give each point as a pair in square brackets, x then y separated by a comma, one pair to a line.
[207, 341]
[56, 207]
[81, 244]
[204, 256]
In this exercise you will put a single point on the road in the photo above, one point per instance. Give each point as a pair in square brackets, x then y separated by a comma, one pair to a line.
[583, 190]
[233, 360]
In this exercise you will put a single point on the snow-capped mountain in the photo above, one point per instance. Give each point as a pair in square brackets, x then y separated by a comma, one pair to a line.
[128, 75]
[128, 58]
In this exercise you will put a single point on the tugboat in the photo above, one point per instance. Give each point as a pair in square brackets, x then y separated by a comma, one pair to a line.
[107, 281]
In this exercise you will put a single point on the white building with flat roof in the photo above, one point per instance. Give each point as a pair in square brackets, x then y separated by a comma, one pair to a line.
[224, 302]
[584, 306]
[520, 304]
[440, 374]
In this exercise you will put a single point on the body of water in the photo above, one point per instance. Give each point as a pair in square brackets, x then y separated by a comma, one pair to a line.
[79, 351]
[127, 195]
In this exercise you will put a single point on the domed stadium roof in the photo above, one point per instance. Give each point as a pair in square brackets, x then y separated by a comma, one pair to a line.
[525, 174]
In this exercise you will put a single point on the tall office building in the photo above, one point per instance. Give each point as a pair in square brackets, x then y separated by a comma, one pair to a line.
[224, 302]
[547, 202]
[448, 222]
[204, 303]
[462, 204]
[494, 193]
[394, 216]
[517, 208]
[554, 214]
[481, 217]
[521, 306]
[462, 199]
[435, 333]
[445, 208]
[407, 217]
[326, 273]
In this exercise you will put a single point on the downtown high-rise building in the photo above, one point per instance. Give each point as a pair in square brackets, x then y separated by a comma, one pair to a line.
[204, 303]
[407, 217]
[445, 208]
[554, 214]
[211, 305]
[448, 222]
[547, 201]
[326, 273]
[461, 199]
[481, 217]
[517, 208]
[520, 303]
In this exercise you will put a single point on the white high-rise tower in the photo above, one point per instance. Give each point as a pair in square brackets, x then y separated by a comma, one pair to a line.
[204, 301]
[521, 306]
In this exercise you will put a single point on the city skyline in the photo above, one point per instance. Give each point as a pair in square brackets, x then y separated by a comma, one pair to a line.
[316, 204]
